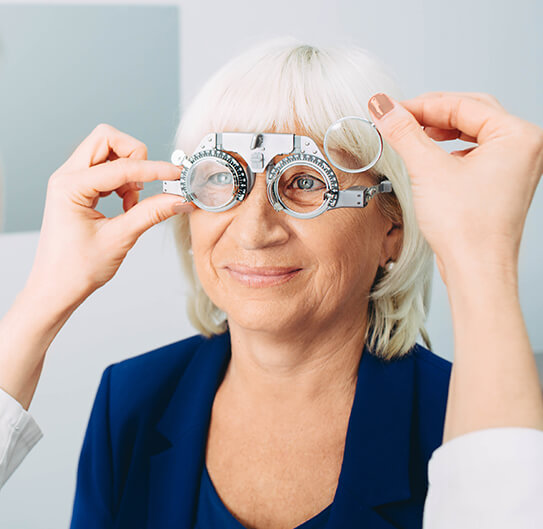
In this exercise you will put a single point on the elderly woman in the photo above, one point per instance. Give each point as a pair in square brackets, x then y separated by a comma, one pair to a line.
[306, 402]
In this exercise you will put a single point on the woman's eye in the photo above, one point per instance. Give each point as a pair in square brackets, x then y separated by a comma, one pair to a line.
[307, 183]
[220, 179]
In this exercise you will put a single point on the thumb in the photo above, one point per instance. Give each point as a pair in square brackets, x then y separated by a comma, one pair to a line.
[147, 213]
[403, 132]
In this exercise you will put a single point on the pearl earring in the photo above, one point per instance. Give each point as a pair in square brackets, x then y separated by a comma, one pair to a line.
[390, 265]
[190, 252]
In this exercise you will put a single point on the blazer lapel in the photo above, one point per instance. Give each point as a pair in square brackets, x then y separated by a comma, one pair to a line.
[174, 475]
[375, 469]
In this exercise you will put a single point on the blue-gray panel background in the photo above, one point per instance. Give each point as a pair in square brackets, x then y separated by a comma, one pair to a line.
[63, 70]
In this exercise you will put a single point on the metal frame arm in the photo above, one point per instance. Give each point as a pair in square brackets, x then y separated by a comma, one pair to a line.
[359, 196]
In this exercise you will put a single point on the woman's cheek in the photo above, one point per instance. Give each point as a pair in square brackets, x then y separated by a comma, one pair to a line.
[353, 247]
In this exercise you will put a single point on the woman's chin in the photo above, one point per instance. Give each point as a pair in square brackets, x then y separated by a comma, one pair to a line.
[267, 316]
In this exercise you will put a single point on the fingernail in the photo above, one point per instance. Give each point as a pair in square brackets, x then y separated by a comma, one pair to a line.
[139, 185]
[380, 104]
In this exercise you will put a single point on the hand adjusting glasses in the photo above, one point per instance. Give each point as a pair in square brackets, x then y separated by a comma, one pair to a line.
[301, 183]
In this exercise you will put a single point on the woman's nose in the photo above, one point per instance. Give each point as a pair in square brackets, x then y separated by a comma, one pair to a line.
[256, 224]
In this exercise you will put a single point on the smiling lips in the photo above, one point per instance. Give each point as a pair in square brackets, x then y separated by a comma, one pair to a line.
[264, 276]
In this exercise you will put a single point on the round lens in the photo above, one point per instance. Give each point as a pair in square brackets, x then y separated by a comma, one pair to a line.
[353, 144]
[302, 188]
[211, 183]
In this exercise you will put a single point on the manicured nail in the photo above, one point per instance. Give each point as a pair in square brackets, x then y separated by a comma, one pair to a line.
[139, 185]
[380, 104]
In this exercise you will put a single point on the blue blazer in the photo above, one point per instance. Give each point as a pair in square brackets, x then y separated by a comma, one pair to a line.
[144, 449]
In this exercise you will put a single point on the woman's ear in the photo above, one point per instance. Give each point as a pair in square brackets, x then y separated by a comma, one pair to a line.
[392, 242]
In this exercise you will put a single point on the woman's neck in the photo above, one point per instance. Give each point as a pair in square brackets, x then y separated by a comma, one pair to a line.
[296, 369]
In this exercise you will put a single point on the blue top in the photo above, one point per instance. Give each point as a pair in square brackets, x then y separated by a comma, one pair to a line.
[212, 512]
[144, 449]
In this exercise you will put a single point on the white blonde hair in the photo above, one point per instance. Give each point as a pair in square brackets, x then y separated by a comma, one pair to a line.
[288, 85]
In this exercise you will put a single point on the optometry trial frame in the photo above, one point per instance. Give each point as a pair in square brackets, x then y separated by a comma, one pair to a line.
[215, 180]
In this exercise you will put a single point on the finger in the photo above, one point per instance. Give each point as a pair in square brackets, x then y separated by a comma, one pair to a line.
[131, 188]
[129, 193]
[128, 187]
[105, 143]
[144, 215]
[130, 199]
[463, 152]
[447, 135]
[450, 112]
[122, 190]
[478, 96]
[113, 175]
[404, 134]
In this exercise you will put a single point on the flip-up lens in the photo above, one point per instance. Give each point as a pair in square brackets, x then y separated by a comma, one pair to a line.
[353, 144]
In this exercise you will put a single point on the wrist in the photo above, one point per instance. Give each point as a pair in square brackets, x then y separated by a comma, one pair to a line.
[26, 332]
[485, 304]
[494, 382]
[463, 272]
[44, 309]
[52, 299]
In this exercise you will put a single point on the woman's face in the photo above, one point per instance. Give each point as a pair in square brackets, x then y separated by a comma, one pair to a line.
[269, 271]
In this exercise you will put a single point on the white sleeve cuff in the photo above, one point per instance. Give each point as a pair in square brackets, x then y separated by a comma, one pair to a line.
[487, 479]
[18, 435]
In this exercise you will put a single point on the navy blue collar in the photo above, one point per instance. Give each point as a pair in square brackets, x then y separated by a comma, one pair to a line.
[375, 469]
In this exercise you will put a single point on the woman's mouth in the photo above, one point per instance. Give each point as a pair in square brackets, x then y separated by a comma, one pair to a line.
[261, 276]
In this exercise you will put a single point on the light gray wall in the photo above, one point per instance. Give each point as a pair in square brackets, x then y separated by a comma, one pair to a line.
[492, 46]
[476, 46]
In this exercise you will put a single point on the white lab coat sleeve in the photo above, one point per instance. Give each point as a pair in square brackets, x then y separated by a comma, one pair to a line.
[487, 479]
[18, 435]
